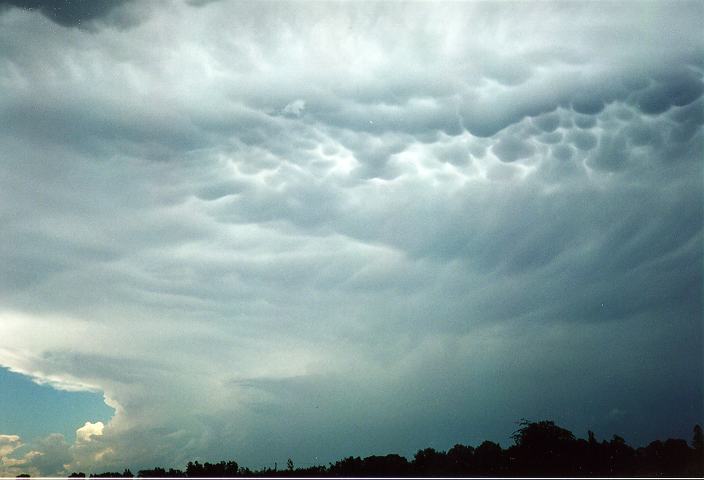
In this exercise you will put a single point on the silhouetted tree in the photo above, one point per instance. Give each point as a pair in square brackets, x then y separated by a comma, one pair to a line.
[698, 439]
[221, 469]
[386, 465]
[544, 448]
[460, 459]
[347, 467]
[194, 469]
[429, 462]
[541, 435]
[490, 458]
[125, 474]
[160, 473]
[676, 453]
[619, 457]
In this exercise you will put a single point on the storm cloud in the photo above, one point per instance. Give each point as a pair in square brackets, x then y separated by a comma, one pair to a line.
[69, 13]
[308, 230]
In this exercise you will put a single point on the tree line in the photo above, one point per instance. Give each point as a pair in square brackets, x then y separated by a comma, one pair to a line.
[540, 449]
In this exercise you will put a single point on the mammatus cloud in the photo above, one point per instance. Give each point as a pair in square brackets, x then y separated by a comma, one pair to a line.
[313, 230]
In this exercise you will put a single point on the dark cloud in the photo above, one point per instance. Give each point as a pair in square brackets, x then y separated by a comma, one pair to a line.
[582, 139]
[587, 105]
[585, 121]
[679, 88]
[611, 154]
[562, 152]
[548, 123]
[550, 138]
[510, 149]
[68, 13]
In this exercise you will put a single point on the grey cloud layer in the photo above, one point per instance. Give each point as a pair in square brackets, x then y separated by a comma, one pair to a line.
[334, 212]
[72, 13]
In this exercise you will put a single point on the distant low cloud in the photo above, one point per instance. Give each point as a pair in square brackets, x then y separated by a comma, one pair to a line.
[8, 443]
[52, 455]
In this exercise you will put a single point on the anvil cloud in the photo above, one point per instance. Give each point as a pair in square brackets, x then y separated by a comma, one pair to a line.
[308, 230]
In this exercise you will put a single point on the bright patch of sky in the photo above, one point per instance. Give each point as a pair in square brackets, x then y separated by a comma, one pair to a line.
[33, 411]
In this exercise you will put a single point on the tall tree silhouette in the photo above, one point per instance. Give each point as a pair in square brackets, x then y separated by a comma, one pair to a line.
[698, 439]
[543, 447]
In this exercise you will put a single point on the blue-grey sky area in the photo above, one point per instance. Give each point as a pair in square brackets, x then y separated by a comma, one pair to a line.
[255, 231]
[32, 411]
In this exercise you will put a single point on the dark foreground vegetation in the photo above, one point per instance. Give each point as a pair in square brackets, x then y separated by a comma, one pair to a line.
[539, 449]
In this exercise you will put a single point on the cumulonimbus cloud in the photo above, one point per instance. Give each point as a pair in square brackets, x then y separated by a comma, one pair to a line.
[312, 230]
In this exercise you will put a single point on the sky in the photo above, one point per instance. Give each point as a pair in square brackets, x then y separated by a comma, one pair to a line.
[261, 231]
[32, 410]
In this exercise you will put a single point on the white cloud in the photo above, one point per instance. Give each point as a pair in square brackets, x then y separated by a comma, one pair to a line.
[9, 443]
[295, 108]
[89, 430]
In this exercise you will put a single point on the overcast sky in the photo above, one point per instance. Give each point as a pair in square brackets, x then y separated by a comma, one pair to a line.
[312, 230]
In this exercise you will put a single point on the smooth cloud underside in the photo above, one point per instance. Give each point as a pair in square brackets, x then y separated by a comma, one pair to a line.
[310, 230]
